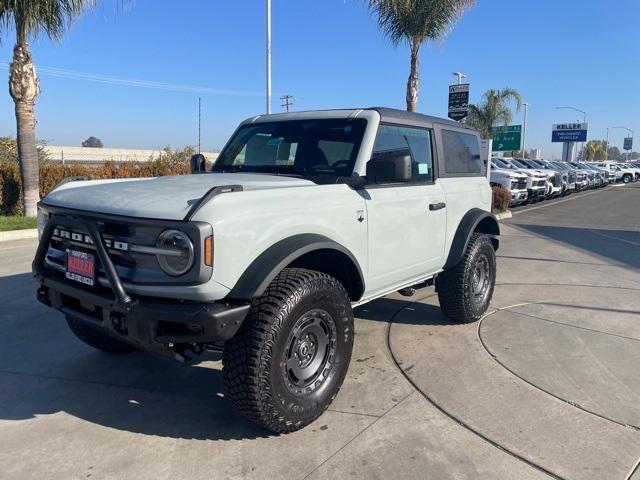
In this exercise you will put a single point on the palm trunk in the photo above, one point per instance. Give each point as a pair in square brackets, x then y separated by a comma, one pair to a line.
[24, 88]
[413, 83]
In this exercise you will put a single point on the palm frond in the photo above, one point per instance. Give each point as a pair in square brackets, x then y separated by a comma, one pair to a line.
[494, 110]
[415, 21]
[31, 17]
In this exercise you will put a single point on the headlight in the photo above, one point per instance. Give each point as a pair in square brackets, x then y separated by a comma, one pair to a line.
[41, 220]
[177, 255]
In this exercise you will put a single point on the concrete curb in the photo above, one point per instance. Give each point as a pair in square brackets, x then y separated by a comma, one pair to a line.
[18, 234]
[504, 215]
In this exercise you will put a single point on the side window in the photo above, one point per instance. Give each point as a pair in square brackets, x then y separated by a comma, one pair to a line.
[461, 153]
[416, 140]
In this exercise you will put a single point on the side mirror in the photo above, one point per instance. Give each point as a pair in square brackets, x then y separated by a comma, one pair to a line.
[390, 167]
[198, 163]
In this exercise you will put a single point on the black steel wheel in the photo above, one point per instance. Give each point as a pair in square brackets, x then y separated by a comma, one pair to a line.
[465, 290]
[287, 362]
[310, 348]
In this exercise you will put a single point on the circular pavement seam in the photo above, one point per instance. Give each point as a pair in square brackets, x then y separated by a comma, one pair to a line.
[452, 417]
[569, 402]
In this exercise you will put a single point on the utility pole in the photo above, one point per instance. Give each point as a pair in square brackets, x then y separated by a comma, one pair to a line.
[524, 129]
[287, 101]
[268, 57]
[199, 120]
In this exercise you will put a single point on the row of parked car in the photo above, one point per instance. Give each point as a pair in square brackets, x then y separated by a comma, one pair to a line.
[530, 180]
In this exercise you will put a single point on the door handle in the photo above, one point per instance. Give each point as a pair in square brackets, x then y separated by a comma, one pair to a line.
[437, 206]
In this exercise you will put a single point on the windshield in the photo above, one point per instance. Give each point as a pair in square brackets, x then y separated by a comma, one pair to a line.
[518, 163]
[500, 163]
[294, 147]
[530, 163]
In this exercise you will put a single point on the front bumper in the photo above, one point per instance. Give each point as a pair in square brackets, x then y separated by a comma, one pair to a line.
[518, 196]
[165, 326]
[150, 324]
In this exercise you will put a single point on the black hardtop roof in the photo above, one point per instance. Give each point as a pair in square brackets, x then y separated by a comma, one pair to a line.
[394, 115]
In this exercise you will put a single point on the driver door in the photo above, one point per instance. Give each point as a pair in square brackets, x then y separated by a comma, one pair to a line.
[407, 221]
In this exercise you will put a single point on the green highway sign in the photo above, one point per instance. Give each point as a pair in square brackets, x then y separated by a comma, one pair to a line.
[506, 139]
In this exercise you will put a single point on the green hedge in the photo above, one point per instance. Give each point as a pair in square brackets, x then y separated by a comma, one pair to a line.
[171, 162]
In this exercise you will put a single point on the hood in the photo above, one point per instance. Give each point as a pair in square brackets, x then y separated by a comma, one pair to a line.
[167, 198]
[507, 173]
[531, 172]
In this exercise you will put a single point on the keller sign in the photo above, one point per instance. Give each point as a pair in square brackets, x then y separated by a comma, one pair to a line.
[569, 132]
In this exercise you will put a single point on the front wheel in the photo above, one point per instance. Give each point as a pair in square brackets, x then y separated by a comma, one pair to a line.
[465, 290]
[626, 178]
[289, 359]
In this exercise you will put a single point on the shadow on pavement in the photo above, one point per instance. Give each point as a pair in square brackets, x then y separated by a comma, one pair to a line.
[621, 246]
[414, 311]
[45, 369]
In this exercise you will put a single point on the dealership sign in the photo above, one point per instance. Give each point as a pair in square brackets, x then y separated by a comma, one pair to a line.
[569, 132]
[458, 101]
[628, 143]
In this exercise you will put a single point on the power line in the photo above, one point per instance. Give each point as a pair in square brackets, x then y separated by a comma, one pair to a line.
[133, 82]
[287, 102]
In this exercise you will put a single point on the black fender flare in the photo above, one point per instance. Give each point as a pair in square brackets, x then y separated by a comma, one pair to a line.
[259, 274]
[475, 220]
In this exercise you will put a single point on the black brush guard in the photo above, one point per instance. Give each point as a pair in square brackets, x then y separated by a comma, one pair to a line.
[149, 323]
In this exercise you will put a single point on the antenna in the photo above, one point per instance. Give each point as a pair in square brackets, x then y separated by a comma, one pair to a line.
[199, 120]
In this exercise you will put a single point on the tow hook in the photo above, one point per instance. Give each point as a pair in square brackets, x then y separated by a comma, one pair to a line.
[119, 324]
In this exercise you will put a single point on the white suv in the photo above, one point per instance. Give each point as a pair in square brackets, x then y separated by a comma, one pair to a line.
[302, 216]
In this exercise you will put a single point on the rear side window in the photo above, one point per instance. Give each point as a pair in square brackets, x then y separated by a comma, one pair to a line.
[415, 141]
[461, 153]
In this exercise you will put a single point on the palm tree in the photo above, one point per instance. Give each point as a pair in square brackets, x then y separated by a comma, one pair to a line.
[595, 149]
[415, 22]
[494, 110]
[30, 18]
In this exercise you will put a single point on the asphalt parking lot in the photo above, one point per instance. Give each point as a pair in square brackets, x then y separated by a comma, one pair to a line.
[546, 385]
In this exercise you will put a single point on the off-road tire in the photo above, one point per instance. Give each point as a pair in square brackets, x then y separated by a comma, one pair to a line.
[256, 360]
[96, 339]
[456, 284]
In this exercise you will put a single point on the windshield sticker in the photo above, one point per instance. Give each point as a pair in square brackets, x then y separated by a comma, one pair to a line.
[275, 141]
[423, 168]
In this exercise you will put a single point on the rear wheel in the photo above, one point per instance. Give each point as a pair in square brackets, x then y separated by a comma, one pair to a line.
[626, 178]
[289, 359]
[465, 290]
[97, 339]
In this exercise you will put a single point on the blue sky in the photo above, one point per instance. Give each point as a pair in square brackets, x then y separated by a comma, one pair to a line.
[327, 54]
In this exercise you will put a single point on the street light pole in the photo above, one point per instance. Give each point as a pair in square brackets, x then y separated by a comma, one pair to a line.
[631, 132]
[460, 76]
[524, 128]
[268, 56]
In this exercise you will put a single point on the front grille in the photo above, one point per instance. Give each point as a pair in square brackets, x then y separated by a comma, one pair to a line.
[557, 180]
[130, 244]
[521, 183]
[540, 183]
